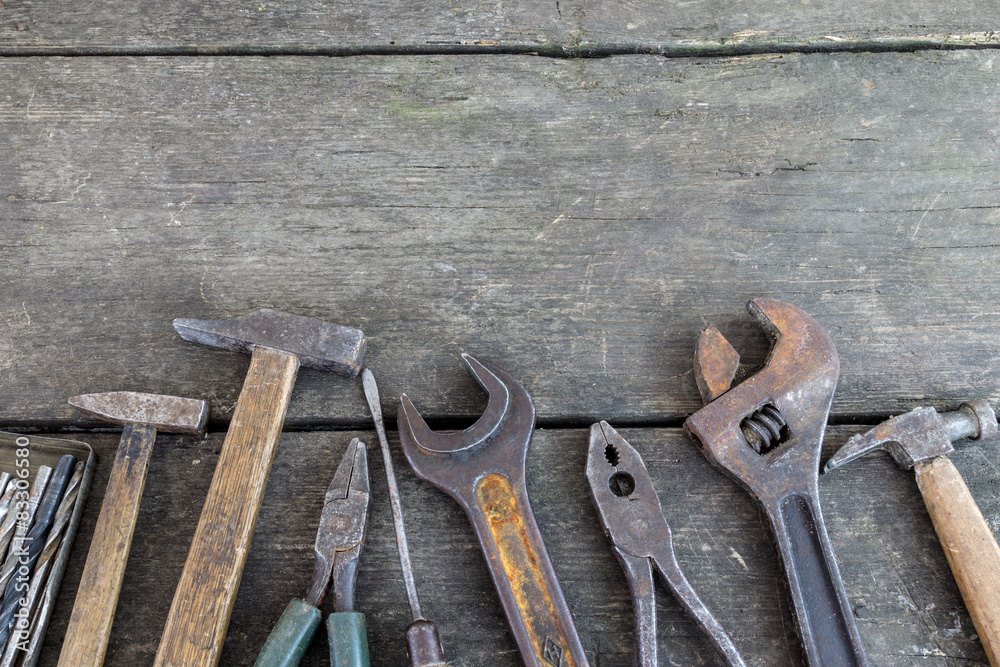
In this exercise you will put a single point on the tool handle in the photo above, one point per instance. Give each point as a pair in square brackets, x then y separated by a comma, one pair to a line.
[423, 644]
[665, 559]
[523, 575]
[86, 639]
[348, 639]
[198, 618]
[639, 575]
[968, 544]
[822, 609]
[290, 637]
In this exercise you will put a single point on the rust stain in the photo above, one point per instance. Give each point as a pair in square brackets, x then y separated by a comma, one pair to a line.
[520, 563]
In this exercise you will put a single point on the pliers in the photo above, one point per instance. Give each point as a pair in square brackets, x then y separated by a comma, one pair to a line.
[632, 518]
[339, 541]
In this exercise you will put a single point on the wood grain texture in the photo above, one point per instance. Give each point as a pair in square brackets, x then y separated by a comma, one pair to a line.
[199, 615]
[86, 638]
[576, 222]
[560, 27]
[968, 544]
[908, 607]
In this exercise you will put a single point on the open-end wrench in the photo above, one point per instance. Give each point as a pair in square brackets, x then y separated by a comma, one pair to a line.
[482, 469]
[766, 434]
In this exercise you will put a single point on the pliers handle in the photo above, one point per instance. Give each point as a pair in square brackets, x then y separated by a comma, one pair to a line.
[339, 541]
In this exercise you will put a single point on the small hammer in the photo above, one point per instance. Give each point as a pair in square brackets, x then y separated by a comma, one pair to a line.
[921, 439]
[86, 637]
[279, 343]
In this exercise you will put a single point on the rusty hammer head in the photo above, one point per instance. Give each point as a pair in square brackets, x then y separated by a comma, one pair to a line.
[166, 413]
[317, 344]
[920, 435]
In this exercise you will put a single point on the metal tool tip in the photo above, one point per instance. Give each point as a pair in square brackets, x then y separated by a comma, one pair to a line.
[371, 388]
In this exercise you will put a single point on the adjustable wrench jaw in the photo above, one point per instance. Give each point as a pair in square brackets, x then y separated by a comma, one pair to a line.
[798, 379]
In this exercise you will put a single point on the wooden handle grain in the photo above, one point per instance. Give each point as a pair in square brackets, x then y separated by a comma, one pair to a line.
[968, 544]
[89, 627]
[198, 618]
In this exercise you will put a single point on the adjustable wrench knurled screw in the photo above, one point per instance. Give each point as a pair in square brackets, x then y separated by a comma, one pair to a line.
[781, 471]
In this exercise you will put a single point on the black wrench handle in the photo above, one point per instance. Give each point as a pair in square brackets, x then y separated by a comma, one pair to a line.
[826, 623]
[523, 574]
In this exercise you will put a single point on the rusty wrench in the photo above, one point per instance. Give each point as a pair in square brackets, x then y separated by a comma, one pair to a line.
[482, 469]
[766, 434]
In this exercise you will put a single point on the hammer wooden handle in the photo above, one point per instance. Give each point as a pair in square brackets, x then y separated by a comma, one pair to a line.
[198, 618]
[969, 545]
[86, 637]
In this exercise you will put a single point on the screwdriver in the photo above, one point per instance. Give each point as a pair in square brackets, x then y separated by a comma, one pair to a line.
[423, 644]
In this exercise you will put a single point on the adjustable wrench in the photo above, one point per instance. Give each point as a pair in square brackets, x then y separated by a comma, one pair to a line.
[482, 469]
[766, 434]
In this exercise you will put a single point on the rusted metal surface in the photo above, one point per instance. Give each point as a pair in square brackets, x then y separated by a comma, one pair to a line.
[717, 362]
[920, 435]
[632, 517]
[798, 382]
[483, 469]
[173, 414]
[317, 344]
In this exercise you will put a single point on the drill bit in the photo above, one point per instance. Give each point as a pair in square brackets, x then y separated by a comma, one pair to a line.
[422, 641]
[18, 520]
[27, 552]
[5, 500]
[39, 577]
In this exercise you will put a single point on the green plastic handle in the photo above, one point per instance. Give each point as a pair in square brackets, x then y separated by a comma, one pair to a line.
[348, 639]
[290, 637]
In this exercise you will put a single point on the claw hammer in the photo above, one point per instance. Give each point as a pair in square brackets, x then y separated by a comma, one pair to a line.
[921, 439]
[279, 343]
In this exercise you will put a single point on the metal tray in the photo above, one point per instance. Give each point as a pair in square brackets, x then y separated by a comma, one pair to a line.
[46, 451]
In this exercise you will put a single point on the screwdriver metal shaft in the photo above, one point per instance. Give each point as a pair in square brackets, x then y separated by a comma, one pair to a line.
[422, 641]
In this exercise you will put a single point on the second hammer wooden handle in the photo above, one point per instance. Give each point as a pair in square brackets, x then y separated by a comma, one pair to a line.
[968, 544]
[89, 628]
[198, 618]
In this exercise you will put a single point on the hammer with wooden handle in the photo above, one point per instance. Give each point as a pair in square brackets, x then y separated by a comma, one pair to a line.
[143, 415]
[921, 439]
[279, 343]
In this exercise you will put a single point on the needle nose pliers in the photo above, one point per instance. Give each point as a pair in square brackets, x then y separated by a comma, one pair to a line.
[339, 541]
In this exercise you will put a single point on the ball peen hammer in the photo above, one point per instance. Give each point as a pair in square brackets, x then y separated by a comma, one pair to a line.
[86, 638]
[921, 439]
[279, 343]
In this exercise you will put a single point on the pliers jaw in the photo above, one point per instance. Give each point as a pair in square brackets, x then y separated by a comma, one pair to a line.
[342, 528]
[630, 513]
[623, 493]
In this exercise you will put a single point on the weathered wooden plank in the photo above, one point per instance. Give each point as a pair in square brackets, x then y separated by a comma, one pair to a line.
[306, 25]
[562, 27]
[577, 222]
[905, 599]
